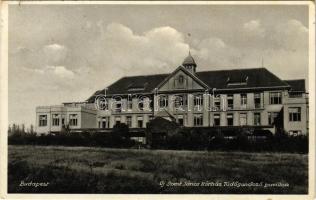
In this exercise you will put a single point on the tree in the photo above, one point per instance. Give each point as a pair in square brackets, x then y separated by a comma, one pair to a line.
[9, 130]
[13, 129]
[32, 129]
[18, 130]
[65, 129]
[121, 130]
[22, 129]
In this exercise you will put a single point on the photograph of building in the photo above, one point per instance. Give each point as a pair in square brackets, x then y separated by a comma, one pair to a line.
[226, 98]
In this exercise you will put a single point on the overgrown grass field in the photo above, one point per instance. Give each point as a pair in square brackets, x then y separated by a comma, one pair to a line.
[100, 170]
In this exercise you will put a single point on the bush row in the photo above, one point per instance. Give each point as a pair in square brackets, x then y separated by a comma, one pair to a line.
[118, 138]
[240, 141]
[184, 139]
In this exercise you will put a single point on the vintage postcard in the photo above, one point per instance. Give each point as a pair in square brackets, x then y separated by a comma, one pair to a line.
[157, 99]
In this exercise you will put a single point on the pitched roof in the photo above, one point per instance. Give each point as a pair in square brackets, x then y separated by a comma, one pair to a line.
[296, 85]
[183, 69]
[220, 79]
[132, 85]
[240, 78]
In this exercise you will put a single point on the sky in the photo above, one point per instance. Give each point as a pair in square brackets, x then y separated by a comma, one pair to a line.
[64, 53]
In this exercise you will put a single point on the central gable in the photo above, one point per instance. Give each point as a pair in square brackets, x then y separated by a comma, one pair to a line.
[181, 79]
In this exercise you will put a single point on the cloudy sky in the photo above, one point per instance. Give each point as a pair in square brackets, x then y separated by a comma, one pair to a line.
[62, 53]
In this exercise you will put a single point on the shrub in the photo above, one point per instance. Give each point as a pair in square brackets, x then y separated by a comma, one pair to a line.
[182, 139]
[119, 138]
[241, 139]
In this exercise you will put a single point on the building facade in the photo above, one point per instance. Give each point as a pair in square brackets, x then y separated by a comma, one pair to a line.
[225, 98]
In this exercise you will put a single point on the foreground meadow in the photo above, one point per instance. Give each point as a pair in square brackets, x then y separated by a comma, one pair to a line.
[100, 170]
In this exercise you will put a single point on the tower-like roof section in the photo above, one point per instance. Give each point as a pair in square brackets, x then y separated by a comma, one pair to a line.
[189, 60]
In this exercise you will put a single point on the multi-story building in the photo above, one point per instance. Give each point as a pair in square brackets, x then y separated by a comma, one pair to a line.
[225, 98]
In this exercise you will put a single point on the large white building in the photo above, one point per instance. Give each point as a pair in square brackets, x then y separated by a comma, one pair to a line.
[226, 98]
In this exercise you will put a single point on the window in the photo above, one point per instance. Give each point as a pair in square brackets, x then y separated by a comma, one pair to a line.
[243, 119]
[295, 94]
[198, 100]
[237, 80]
[140, 122]
[257, 119]
[163, 101]
[106, 104]
[275, 98]
[217, 103]
[243, 99]
[257, 99]
[198, 120]
[230, 119]
[103, 103]
[117, 120]
[130, 104]
[63, 121]
[73, 120]
[180, 101]
[272, 116]
[180, 119]
[151, 104]
[118, 106]
[217, 120]
[129, 121]
[105, 122]
[181, 79]
[42, 120]
[179, 82]
[141, 105]
[230, 101]
[55, 119]
[295, 114]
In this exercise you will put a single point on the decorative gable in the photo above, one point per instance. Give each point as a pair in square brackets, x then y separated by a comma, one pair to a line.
[181, 79]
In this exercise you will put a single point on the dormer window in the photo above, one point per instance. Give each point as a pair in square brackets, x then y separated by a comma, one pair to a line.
[135, 87]
[237, 81]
